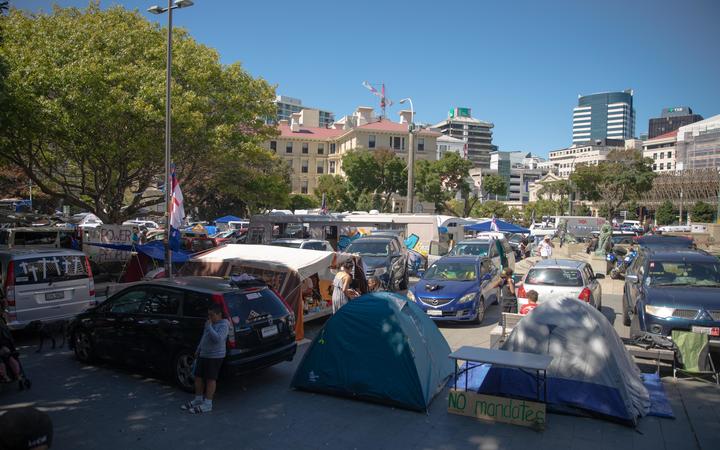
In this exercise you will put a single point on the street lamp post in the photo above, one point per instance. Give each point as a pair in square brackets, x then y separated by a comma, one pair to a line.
[411, 158]
[572, 166]
[168, 79]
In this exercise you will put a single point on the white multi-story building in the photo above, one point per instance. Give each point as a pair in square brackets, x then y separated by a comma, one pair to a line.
[447, 144]
[698, 145]
[563, 162]
[287, 106]
[661, 150]
[478, 134]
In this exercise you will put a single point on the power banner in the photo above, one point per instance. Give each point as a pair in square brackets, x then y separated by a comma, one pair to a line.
[497, 409]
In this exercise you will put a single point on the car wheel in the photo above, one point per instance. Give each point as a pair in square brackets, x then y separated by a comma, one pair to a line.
[84, 350]
[182, 370]
[626, 312]
[480, 311]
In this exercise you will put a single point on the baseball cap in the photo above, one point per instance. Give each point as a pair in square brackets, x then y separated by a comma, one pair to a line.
[24, 429]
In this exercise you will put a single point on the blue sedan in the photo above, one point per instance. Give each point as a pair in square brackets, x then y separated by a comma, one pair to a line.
[457, 288]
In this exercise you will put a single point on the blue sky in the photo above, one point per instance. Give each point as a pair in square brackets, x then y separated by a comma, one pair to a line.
[519, 64]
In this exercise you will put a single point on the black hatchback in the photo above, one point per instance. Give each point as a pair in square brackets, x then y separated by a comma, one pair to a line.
[159, 324]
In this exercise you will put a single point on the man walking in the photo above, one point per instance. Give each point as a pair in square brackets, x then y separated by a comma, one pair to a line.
[209, 357]
[546, 248]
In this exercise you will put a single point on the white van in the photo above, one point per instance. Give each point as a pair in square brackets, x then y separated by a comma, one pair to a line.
[37, 237]
[45, 285]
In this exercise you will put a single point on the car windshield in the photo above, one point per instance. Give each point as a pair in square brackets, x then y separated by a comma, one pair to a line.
[287, 244]
[50, 269]
[369, 248]
[454, 271]
[470, 249]
[684, 273]
[248, 307]
[554, 277]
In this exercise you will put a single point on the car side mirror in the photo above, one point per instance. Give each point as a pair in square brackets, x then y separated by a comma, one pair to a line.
[632, 278]
[599, 276]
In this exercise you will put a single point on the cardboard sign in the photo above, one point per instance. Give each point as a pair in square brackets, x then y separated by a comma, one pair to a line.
[107, 234]
[497, 409]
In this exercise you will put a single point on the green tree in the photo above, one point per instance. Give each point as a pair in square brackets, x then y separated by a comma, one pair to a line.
[703, 213]
[302, 201]
[665, 214]
[87, 109]
[632, 209]
[494, 184]
[624, 176]
[582, 210]
[335, 188]
[440, 181]
[491, 208]
[381, 173]
[540, 208]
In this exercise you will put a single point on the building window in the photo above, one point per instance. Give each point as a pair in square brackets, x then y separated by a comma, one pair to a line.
[321, 149]
[669, 166]
[332, 167]
[371, 141]
[305, 148]
[288, 147]
[304, 167]
[273, 145]
[654, 166]
[654, 155]
[397, 143]
[332, 148]
[669, 155]
[421, 144]
[304, 187]
[662, 166]
[320, 168]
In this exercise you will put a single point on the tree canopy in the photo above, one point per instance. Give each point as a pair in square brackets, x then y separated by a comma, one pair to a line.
[85, 115]
[703, 212]
[495, 184]
[335, 188]
[378, 174]
[665, 214]
[622, 177]
[439, 182]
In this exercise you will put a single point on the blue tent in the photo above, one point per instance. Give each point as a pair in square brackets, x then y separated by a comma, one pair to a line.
[503, 226]
[226, 219]
[379, 347]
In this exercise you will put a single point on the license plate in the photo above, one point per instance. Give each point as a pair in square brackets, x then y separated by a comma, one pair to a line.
[712, 331]
[54, 295]
[434, 312]
[269, 331]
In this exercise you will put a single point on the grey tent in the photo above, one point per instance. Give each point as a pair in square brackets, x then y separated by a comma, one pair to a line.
[591, 371]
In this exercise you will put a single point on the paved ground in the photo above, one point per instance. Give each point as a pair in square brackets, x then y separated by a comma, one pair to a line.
[113, 408]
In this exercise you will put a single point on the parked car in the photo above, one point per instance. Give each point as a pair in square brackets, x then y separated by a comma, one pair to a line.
[488, 245]
[306, 244]
[159, 324]
[672, 289]
[231, 236]
[385, 257]
[561, 278]
[196, 241]
[457, 288]
[37, 237]
[45, 285]
[667, 242]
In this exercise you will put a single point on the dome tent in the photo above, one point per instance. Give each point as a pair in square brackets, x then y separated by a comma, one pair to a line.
[591, 372]
[379, 347]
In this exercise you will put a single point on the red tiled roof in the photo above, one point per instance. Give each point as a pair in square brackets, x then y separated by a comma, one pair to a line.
[310, 132]
[665, 136]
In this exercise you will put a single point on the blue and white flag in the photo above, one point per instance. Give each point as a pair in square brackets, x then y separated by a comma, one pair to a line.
[177, 212]
[493, 224]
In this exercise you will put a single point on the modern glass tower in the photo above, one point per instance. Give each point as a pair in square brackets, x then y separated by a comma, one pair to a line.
[608, 115]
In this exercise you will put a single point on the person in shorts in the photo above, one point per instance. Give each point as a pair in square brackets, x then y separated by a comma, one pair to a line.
[209, 357]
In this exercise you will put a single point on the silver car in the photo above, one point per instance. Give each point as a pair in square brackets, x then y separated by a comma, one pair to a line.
[562, 278]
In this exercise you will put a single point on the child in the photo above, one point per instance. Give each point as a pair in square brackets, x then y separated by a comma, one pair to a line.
[532, 297]
[209, 357]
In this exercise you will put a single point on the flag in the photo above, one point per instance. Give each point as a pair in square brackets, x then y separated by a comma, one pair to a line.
[493, 224]
[323, 205]
[177, 211]
[532, 217]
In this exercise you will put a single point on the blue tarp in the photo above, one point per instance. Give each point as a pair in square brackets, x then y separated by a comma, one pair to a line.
[154, 250]
[503, 226]
[226, 219]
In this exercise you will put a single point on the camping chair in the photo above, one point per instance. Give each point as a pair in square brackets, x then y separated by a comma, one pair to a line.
[694, 353]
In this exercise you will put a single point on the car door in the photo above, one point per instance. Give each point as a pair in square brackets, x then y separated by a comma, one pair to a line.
[633, 289]
[488, 275]
[397, 265]
[110, 325]
[156, 330]
[593, 284]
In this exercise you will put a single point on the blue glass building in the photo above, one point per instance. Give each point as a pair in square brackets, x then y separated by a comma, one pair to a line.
[607, 115]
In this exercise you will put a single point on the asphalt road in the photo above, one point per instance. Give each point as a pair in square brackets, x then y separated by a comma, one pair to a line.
[111, 407]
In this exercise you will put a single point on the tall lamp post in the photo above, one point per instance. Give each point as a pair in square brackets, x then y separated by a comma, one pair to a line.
[411, 158]
[572, 166]
[168, 77]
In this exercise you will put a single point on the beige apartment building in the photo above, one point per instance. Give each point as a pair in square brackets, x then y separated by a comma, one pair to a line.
[661, 150]
[311, 150]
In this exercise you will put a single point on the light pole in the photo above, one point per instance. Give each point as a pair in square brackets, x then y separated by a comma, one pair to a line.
[168, 78]
[572, 166]
[411, 158]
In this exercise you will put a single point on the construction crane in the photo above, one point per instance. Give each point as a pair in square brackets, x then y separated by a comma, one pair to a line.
[384, 101]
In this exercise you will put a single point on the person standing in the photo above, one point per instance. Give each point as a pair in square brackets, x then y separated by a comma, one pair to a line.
[135, 237]
[209, 357]
[508, 297]
[546, 248]
[341, 286]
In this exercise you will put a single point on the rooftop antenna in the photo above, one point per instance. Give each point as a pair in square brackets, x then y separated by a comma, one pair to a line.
[384, 101]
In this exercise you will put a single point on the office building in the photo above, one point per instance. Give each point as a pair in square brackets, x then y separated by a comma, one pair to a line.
[671, 119]
[519, 170]
[461, 125]
[661, 150]
[698, 145]
[287, 106]
[311, 150]
[608, 115]
[450, 144]
[563, 162]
